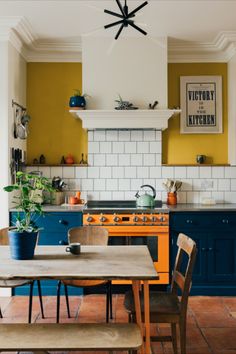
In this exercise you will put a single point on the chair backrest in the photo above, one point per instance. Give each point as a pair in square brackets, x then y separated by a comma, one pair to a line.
[179, 280]
[4, 236]
[88, 235]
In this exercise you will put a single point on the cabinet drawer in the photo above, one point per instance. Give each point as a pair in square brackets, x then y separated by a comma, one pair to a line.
[51, 238]
[203, 220]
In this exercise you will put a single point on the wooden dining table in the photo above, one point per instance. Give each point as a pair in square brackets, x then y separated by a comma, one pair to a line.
[94, 262]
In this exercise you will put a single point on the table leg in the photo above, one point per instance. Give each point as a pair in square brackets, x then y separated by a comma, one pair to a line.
[136, 286]
[147, 316]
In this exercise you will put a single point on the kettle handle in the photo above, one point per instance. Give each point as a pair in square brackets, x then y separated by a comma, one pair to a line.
[152, 188]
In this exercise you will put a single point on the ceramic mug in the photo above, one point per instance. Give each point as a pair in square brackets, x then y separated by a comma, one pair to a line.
[73, 248]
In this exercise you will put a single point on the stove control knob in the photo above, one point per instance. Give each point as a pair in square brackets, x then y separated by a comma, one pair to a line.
[144, 219]
[102, 219]
[89, 219]
[162, 219]
[135, 219]
[116, 219]
[154, 218]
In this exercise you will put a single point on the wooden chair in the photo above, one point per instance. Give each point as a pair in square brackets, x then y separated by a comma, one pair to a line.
[86, 235]
[167, 307]
[16, 283]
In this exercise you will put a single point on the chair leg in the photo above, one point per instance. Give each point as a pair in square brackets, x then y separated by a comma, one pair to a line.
[110, 296]
[1, 316]
[67, 300]
[182, 328]
[174, 338]
[40, 298]
[58, 300]
[107, 302]
[30, 301]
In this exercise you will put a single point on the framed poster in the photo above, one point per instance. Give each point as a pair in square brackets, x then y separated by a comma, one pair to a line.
[201, 104]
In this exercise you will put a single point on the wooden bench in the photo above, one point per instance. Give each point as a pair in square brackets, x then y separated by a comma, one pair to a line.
[69, 337]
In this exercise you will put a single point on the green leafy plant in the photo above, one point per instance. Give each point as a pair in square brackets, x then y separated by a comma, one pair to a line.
[78, 93]
[28, 196]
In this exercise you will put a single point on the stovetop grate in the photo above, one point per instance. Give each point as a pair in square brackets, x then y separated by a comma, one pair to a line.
[117, 204]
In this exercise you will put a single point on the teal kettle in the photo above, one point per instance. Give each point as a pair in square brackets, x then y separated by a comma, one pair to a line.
[146, 200]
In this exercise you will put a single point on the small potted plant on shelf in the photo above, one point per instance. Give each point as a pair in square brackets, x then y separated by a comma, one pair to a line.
[78, 100]
[27, 199]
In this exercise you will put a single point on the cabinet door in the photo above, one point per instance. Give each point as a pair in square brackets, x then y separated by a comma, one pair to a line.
[200, 268]
[222, 257]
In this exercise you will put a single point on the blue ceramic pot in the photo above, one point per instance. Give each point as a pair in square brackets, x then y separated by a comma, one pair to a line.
[77, 101]
[22, 244]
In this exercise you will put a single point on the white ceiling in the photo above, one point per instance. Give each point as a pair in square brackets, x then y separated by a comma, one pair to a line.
[63, 22]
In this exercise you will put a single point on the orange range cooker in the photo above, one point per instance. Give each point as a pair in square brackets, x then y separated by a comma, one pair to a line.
[131, 225]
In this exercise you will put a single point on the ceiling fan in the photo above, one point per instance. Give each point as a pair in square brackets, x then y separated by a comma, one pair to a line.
[126, 18]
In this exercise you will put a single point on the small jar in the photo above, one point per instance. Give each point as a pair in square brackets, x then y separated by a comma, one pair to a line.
[171, 198]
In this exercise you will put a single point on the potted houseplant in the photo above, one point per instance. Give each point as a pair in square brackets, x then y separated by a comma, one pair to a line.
[78, 100]
[27, 199]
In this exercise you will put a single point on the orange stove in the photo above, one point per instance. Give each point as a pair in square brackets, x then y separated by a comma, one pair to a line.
[130, 225]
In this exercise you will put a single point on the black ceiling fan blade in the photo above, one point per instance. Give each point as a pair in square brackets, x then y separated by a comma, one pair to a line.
[137, 9]
[113, 13]
[120, 7]
[137, 28]
[119, 32]
[113, 24]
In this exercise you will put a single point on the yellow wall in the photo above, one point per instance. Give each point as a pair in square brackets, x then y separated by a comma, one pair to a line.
[183, 148]
[53, 130]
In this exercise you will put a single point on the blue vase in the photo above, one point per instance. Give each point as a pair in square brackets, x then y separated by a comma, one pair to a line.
[77, 101]
[22, 244]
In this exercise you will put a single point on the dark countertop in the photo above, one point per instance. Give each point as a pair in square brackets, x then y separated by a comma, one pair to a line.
[165, 208]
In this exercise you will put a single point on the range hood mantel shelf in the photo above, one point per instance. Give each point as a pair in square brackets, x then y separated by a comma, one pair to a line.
[125, 119]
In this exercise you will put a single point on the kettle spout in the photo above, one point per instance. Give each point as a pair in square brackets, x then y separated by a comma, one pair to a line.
[137, 195]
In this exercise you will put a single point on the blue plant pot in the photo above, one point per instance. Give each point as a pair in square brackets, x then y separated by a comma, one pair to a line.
[77, 101]
[22, 244]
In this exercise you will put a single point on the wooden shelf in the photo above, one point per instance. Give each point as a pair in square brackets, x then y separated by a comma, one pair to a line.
[196, 165]
[51, 165]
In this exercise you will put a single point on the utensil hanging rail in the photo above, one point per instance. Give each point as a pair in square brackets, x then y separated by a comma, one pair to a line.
[14, 103]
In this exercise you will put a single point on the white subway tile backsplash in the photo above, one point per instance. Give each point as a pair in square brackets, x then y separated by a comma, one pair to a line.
[205, 172]
[91, 195]
[136, 160]
[142, 147]
[136, 184]
[204, 195]
[81, 172]
[155, 146]
[56, 171]
[159, 185]
[230, 197]
[230, 172]
[149, 135]
[105, 147]
[118, 172]
[99, 135]
[105, 172]
[93, 147]
[233, 184]
[87, 184]
[158, 159]
[93, 172]
[124, 135]
[218, 172]
[143, 172]
[192, 172]
[111, 160]
[90, 159]
[129, 195]
[193, 197]
[99, 160]
[99, 184]
[105, 195]
[180, 172]
[124, 184]
[223, 184]
[130, 172]
[136, 135]
[124, 159]
[111, 135]
[219, 197]
[167, 172]
[149, 159]
[187, 185]
[46, 171]
[158, 135]
[112, 184]
[68, 172]
[182, 197]
[118, 147]
[130, 147]
[155, 172]
[118, 195]
[90, 135]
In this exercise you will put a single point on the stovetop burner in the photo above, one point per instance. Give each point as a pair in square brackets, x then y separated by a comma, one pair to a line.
[117, 204]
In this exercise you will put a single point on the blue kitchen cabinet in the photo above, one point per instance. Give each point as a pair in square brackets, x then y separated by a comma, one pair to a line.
[215, 235]
[55, 226]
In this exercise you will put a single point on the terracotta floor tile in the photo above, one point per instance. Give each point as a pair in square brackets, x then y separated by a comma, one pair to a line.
[220, 338]
[230, 303]
[209, 304]
[215, 319]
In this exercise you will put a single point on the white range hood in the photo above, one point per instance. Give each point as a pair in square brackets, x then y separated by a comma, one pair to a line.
[125, 119]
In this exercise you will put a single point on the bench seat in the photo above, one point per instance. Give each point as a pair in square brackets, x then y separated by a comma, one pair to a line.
[69, 337]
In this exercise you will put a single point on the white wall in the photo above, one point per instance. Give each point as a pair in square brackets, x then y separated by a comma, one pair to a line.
[136, 69]
[232, 110]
